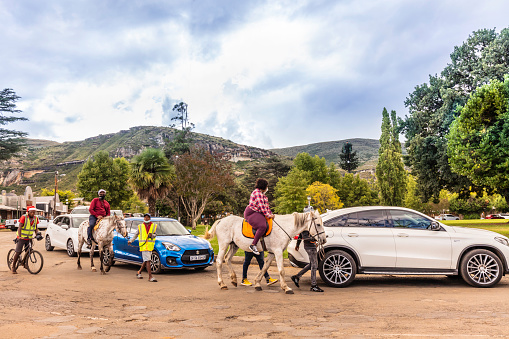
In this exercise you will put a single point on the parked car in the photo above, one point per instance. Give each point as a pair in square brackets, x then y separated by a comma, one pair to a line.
[12, 224]
[175, 247]
[494, 216]
[447, 217]
[43, 223]
[62, 232]
[504, 215]
[395, 240]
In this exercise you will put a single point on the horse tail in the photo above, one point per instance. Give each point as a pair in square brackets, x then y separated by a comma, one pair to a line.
[211, 234]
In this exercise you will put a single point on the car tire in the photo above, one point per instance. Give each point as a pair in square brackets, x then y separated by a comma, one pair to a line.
[337, 269]
[14, 229]
[481, 268]
[70, 248]
[155, 263]
[47, 244]
[108, 258]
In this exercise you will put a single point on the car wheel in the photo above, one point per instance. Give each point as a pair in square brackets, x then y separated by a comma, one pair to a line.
[481, 268]
[14, 229]
[108, 257]
[155, 263]
[47, 244]
[70, 248]
[337, 269]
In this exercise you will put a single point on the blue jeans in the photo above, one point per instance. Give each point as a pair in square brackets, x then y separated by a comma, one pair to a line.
[247, 261]
[92, 219]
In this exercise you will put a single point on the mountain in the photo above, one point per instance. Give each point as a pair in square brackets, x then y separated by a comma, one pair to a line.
[41, 158]
[367, 151]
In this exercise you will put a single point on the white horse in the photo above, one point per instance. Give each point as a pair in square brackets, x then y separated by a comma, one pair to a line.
[103, 237]
[285, 227]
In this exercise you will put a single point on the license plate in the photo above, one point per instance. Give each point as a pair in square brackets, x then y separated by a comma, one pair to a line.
[198, 257]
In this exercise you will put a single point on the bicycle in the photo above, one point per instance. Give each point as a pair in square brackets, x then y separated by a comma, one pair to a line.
[29, 258]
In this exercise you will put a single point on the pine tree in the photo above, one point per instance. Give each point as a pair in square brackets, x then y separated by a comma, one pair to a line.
[390, 171]
[348, 159]
[11, 141]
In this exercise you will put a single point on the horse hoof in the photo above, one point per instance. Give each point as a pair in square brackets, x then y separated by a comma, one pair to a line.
[94, 269]
[234, 283]
[224, 287]
[258, 288]
[103, 273]
[79, 268]
[289, 292]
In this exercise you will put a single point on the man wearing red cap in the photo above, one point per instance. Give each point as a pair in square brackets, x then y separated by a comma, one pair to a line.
[27, 225]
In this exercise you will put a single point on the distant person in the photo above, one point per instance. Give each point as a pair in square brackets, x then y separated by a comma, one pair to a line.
[483, 215]
[310, 247]
[99, 208]
[146, 234]
[27, 225]
[247, 261]
[258, 211]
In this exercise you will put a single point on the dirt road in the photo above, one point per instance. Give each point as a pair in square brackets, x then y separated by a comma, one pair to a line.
[64, 302]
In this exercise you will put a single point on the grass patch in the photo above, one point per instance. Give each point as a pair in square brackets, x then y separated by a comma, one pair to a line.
[495, 225]
[200, 231]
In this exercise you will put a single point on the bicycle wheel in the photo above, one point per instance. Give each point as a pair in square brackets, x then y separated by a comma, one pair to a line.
[34, 262]
[10, 259]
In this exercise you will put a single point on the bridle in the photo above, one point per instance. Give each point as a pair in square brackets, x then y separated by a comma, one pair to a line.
[312, 224]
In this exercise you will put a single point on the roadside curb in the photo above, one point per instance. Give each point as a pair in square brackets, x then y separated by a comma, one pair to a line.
[240, 261]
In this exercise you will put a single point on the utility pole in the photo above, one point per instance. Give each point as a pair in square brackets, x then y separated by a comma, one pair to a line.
[55, 196]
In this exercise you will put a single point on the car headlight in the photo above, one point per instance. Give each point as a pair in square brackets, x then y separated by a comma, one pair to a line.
[503, 241]
[171, 247]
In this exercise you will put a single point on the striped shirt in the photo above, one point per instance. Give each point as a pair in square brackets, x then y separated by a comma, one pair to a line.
[259, 202]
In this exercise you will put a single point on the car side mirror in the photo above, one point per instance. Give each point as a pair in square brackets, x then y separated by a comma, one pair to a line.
[65, 226]
[435, 226]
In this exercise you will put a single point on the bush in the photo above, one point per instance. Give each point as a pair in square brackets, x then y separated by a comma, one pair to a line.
[471, 216]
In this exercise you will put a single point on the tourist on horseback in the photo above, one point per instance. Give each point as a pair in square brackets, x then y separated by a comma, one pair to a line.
[27, 225]
[99, 208]
[310, 248]
[146, 234]
[258, 211]
[247, 260]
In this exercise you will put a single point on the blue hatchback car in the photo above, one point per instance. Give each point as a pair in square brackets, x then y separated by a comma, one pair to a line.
[174, 247]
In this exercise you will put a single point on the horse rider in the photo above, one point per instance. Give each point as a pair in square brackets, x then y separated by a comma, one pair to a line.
[27, 225]
[310, 248]
[247, 260]
[99, 208]
[146, 234]
[258, 211]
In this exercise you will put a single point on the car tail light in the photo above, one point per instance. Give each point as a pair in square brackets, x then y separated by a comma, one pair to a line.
[296, 237]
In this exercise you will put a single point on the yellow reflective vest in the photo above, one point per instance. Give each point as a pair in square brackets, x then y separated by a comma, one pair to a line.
[28, 228]
[146, 243]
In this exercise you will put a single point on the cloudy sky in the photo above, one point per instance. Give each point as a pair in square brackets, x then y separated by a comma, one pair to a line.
[262, 73]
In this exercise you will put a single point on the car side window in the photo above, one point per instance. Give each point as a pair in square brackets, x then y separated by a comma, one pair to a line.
[336, 222]
[66, 221]
[58, 221]
[351, 220]
[134, 226]
[405, 219]
[373, 218]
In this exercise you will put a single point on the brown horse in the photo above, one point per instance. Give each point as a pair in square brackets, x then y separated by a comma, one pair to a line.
[103, 237]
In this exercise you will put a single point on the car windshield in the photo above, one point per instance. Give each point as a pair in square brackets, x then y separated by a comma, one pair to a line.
[76, 222]
[170, 227]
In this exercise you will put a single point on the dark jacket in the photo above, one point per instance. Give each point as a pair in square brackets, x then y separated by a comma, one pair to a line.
[309, 242]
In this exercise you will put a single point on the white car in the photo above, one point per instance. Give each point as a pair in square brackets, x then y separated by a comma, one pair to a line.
[62, 232]
[395, 240]
[447, 217]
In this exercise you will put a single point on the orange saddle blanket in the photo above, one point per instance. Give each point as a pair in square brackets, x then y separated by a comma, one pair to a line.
[247, 230]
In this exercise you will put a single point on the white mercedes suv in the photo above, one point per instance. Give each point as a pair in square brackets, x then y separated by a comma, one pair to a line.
[396, 240]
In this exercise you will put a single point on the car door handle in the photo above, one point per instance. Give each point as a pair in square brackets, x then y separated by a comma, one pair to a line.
[353, 235]
[403, 235]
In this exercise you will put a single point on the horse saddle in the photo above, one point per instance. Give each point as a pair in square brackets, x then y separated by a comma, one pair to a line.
[97, 225]
[247, 229]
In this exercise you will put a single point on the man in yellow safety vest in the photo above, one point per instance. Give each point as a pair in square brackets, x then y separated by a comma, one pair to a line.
[146, 234]
[27, 225]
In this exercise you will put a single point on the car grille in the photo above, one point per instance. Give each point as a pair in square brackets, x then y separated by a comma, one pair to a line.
[187, 254]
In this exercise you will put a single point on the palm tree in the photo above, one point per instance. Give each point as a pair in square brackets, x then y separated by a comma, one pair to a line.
[151, 176]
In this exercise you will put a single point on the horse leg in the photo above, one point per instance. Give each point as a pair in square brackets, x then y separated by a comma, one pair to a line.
[92, 259]
[219, 266]
[80, 244]
[228, 257]
[101, 257]
[110, 249]
[281, 268]
[260, 274]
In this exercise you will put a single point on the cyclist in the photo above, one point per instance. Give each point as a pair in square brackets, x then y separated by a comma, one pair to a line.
[27, 225]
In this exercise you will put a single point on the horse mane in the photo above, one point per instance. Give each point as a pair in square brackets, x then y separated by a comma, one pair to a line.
[300, 219]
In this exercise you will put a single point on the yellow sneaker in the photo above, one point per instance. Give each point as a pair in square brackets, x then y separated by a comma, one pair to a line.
[271, 281]
[246, 282]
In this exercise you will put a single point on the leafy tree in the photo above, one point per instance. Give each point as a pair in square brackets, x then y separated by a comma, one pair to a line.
[479, 138]
[471, 208]
[182, 140]
[315, 166]
[499, 203]
[348, 159]
[63, 195]
[433, 106]
[134, 205]
[11, 141]
[390, 171]
[323, 197]
[355, 191]
[200, 178]
[412, 199]
[291, 193]
[107, 173]
[151, 176]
